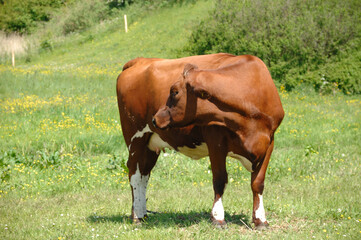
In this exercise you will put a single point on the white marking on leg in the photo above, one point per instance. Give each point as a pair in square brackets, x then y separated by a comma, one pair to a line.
[260, 213]
[245, 162]
[141, 133]
[218, 211]
[139, 183]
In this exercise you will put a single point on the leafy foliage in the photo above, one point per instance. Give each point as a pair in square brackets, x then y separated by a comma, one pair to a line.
[149, 3]
[22, 16]
[292, 37]
[343, 75]
[83, 15]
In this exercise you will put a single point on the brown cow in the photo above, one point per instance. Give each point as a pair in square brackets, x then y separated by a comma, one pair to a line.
[229, 108]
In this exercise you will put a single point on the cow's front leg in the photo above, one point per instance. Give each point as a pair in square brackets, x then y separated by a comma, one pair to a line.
[217, 209]
[140, 164]
[257, 184]
[138, 183]
[217, 155]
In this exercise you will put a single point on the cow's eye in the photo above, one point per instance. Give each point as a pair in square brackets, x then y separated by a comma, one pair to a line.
[174, 93]
[204, 95]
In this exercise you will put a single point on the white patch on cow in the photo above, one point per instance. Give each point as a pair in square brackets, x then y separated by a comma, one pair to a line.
[156, 144]
[260, 213]
[218, 211]
[141, 133]
[245, 162]
[195, 153]
[139, 183]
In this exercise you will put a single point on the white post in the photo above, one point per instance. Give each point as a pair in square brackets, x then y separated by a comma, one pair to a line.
[125, 23]
[13, 57]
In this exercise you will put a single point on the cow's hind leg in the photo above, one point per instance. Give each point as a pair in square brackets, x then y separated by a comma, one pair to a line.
[140, 163]
[257, 184]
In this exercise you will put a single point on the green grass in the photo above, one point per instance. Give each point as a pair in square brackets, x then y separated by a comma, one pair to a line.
[62, 155]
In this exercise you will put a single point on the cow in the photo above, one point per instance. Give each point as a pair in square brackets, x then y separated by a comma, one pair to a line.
[215, 105]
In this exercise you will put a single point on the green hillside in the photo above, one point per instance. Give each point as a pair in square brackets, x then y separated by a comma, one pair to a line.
[108, 47]
[300, 46]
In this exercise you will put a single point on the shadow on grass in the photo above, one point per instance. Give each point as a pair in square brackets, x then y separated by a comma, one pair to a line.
[173, 219]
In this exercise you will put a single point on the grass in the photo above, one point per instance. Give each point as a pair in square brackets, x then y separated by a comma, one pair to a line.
[62, 156]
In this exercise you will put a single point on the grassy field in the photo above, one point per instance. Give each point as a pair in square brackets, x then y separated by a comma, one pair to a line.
[62, 156]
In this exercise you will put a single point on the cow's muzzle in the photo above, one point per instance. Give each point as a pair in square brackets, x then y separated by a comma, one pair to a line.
[154, 122]
[161, 119]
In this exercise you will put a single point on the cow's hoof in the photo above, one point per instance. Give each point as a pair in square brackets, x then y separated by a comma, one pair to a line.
[261, 226]
[219, 223]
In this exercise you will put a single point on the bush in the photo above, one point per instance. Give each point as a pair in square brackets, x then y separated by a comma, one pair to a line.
[153, 3]
[291, 37]
[22, 16]
[83, 15]
[343, 75]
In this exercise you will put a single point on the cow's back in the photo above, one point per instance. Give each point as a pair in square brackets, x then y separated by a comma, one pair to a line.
[144, 84]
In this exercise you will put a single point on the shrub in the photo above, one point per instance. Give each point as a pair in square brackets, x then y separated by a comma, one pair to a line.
[22, 16]
[153, 3]
[343, 75]
[291, 37]
[83, 14]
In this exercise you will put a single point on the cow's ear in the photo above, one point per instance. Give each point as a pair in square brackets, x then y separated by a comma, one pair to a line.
[188, 68]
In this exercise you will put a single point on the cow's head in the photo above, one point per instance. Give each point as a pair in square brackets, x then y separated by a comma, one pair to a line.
[187, 102]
